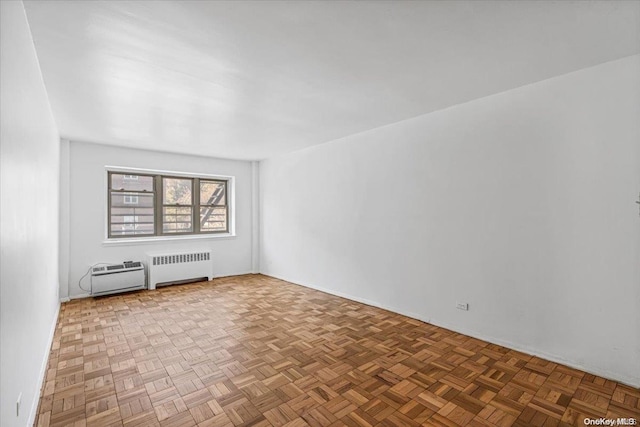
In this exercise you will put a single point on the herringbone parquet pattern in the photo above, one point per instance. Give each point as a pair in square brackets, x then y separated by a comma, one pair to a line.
[257, 351]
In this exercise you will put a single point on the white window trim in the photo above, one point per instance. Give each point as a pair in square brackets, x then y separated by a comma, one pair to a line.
[231, 201]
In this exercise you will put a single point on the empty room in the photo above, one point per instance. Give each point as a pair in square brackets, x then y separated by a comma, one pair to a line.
[320, 213]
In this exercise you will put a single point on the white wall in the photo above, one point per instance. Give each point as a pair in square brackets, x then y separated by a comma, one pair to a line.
[65, 224]
[521, 204]
[87, 199]
[29, 159]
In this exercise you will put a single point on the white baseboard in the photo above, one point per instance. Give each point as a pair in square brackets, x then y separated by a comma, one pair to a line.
[614, 376]
[78, 296]
[43, 371]
[629, 380]
[233, 274]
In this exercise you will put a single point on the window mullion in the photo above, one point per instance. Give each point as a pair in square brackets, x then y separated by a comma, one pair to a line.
[159, 196]
[196, 206]
[109, 225]
[226, 206]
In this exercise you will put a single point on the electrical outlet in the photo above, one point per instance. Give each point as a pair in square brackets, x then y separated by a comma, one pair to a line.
[18, 403]
[462, 306]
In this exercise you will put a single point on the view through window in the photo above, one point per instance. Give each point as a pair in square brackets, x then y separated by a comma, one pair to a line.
[160, 205]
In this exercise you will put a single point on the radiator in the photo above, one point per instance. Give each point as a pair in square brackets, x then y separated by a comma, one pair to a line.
[178, 267]
[114, 278]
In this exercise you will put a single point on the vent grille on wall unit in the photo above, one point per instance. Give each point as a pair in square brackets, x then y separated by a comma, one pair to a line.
[181, 258]
[125, 266]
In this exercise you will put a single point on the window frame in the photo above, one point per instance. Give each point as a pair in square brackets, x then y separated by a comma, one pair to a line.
[111, 190]
[197, 203]
[158, 205]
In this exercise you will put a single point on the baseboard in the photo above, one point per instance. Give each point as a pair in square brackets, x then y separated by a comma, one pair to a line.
[43, 370]
[244, 273]
[79, 296]
[623, 379]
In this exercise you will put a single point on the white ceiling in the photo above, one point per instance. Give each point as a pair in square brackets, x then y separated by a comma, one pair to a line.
[250, 80]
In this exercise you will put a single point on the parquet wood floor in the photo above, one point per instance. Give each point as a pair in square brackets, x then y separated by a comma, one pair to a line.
[257, 351]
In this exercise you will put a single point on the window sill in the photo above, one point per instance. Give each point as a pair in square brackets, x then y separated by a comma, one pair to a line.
[163, 239]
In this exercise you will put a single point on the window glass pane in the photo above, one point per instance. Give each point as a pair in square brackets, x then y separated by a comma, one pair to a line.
[176, 191]
[176, 220]
[213, 219]
[134, 209]
[131, 182]
[128, 219]
[212, 193]
[144, 200]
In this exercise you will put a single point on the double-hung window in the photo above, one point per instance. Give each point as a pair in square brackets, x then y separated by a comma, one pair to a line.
[212, 206]
[166, 205]
[177, 205]
[131, 205]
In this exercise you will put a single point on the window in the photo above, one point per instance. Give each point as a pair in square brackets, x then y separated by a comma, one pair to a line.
[163, 205]
[127, 218]
[177, 205]
[212, 206]
[130, 200]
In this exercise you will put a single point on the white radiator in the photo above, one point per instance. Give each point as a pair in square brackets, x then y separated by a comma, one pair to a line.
[178, 267]
[110, 279]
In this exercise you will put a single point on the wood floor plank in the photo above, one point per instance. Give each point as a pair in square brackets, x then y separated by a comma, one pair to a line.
[256, 351]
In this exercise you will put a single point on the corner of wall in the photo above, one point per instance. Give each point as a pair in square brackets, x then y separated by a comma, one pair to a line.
[255, 217]
[33, 411]
[64, 221]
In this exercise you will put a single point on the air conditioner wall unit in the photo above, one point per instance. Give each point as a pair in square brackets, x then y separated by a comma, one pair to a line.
[115, 278]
